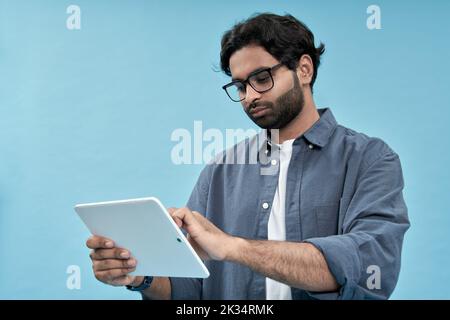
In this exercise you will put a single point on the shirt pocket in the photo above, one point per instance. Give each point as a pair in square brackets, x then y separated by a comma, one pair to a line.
[327, 218]
[320, 220]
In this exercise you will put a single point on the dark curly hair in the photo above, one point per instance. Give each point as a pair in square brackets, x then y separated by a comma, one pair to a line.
[284, 37]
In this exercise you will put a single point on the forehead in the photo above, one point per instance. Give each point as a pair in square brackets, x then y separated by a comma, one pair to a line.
[249, 58]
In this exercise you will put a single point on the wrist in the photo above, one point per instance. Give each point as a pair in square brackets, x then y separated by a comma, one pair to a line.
[145, 284]
[138, 280]
[235, 249]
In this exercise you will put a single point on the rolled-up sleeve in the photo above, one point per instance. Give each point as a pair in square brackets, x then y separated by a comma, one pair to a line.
[372, 235]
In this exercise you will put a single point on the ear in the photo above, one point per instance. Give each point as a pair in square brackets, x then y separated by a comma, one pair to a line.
[305, 69]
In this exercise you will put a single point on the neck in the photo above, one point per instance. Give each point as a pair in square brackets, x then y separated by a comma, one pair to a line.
[302, 122]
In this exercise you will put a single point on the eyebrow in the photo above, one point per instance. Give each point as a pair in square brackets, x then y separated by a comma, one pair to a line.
[251, 73]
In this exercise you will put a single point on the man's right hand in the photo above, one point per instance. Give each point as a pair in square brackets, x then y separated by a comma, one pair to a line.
[112, 265]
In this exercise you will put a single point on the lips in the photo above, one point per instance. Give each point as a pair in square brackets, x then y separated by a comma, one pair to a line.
[258, 111]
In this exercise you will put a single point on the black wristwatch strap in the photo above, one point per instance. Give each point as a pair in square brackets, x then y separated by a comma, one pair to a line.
[144, 285]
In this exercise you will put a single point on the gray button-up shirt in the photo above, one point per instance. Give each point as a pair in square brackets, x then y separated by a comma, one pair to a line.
[343, 195]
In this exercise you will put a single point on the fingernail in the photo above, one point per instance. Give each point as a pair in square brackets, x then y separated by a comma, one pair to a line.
[124, 254]
[131, 262]
[108, 244]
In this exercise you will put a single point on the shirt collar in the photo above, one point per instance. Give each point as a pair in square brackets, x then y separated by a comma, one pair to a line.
[319, 134]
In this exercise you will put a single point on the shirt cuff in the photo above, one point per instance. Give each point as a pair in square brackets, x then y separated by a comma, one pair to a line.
[341, 254]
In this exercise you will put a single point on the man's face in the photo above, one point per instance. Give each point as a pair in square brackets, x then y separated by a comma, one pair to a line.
[277, 107]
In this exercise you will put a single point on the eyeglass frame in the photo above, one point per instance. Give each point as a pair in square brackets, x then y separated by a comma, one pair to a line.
[244, 82]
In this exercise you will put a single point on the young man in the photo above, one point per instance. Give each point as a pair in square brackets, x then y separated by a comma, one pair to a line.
[328, 224]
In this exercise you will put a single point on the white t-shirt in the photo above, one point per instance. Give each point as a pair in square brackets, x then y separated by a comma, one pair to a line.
[277, 223]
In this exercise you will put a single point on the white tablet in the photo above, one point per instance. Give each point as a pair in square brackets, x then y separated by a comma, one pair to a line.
[145, 228]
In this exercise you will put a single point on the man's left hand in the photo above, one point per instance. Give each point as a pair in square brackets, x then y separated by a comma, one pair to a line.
[207, 240]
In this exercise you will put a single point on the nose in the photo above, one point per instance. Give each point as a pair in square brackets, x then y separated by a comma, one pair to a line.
[251, 95]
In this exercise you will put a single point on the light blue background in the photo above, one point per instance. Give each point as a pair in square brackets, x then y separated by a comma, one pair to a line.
[87, 116]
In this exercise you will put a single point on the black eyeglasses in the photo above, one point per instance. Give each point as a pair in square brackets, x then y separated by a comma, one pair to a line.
[260, 80]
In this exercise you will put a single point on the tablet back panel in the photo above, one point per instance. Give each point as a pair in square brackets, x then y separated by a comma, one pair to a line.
[145, 228]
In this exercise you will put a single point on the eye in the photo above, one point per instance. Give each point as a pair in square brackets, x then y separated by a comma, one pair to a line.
[261, 78]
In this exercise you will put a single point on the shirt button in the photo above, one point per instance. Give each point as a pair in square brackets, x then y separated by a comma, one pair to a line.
[274, 162]
[311, 146]
[265, 205]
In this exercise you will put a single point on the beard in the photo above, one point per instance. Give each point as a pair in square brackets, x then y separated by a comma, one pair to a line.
[283, 111]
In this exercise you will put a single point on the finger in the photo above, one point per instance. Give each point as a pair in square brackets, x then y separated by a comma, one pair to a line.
[171, 210]
[116, 253]
[96, 242]
[111, 275]
[108, 264]
[201, 253]
[185, 215]
[178, 221]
